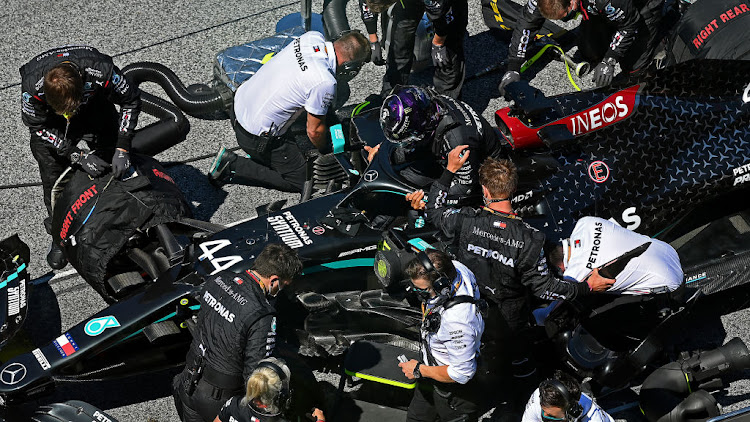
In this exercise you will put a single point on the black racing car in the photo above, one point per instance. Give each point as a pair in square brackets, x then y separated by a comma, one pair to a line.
[655, 153]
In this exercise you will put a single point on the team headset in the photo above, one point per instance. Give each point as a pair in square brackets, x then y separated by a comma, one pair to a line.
[284, 399]
[573, 409]
[442, 285]
[349, 69]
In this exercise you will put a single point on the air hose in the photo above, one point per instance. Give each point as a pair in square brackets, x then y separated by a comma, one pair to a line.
[200, 101]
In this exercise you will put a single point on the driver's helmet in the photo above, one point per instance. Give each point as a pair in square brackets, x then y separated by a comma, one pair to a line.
[408, 115]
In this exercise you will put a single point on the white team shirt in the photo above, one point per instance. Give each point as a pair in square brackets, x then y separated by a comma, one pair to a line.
[457, 341]
[591, 411]
[301, 77]
[596, 241]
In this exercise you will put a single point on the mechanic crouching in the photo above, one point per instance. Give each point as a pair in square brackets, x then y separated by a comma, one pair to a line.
[506, 254]
[267, 397]
[646, 283]
[452, 326]
[624, 32]
[69, 95]
[302, 77]
[235, 329]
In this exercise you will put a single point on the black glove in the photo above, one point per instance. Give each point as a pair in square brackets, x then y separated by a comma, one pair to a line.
[509, 77]
[377, 54]
[604, 72]
[440, 56]
[90, 163]
[120, 163]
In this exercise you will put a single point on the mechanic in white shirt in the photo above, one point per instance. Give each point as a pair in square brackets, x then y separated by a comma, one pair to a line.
[301, 78]
[595, 242]
[560, 399]
[452, 327]
[642, 289]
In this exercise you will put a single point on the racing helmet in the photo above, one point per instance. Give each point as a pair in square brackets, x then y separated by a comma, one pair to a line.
[408, 115]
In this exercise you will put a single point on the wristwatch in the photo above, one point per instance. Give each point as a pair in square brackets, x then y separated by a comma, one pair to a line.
[416, 372]
[75, 157]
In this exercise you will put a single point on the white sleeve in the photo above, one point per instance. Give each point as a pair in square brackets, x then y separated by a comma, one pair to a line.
[459, 338]
[320, 98]
[533, 412]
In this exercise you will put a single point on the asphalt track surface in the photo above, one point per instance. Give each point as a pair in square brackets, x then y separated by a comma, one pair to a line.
[185, 36]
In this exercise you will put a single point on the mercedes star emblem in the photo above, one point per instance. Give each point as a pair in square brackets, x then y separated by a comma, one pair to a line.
[370, 175]
[13, 373]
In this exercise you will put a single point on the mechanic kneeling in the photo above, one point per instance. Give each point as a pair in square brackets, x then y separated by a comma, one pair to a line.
[235, 329]
[559, 399]
[267, 397]
[452, 326]
[302, 77]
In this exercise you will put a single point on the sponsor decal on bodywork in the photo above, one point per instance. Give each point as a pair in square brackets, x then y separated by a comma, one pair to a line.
[65, 345]
[16, 299]
[289, 230]
[741, 174]
[615, 108]
[43, 362]
[97, 326]
[599, 171]
[358, 250]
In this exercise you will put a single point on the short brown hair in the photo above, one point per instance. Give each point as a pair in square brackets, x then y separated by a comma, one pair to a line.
[353, 46]
[499, 177]
[379, 6]
[552, 9]
[278, 259]
[440, 260]
[63, 88]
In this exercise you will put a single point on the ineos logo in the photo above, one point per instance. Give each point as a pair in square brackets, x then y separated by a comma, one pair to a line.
[13, 373]
[746, 95]
[370, 175]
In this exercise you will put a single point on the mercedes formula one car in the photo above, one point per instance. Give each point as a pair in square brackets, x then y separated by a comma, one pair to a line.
[654, 153]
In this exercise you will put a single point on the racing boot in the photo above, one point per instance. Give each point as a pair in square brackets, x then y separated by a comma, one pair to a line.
[220, 171]
[55, 257]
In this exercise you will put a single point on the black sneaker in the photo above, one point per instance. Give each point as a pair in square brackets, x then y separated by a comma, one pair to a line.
[55, 257]
[220, 167]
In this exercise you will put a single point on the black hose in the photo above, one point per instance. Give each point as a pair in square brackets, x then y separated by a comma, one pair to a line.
[171, 129]
[335, 22]
[209, 105]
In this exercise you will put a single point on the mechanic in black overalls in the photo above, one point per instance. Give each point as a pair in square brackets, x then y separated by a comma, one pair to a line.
[611, 32]
[426, 126]
[69, 95]
[267, 397]
[452, 326]
[235, 329]
[507, 258]
[370, 19]
[449, 18]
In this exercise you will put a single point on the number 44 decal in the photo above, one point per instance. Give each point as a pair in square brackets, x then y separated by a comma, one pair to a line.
[221, 263]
